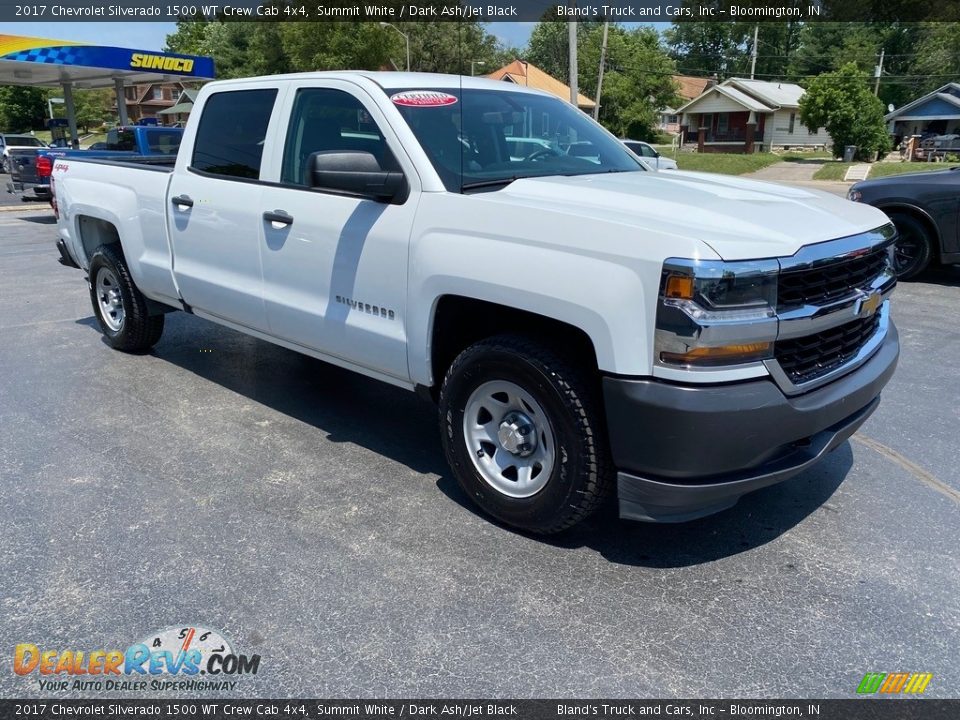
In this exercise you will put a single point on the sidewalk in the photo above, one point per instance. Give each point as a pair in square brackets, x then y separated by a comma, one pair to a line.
[799, 174]
[798, 170]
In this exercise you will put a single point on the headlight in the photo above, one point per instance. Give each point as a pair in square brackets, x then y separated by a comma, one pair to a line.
[714, 313]
[854, 195]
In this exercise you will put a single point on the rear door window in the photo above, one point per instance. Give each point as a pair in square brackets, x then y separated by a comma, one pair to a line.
[232, 132]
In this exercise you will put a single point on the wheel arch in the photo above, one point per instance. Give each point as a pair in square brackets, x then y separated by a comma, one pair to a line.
[458, 321]
[918, 213]
[92, 232]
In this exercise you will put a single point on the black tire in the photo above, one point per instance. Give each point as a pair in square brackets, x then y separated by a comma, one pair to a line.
[580, 477]
[914, 248]
[138, 331]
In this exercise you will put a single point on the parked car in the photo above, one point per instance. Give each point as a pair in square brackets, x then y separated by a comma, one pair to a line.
[156, 145]
[585, 150]
[650, 155]
[925, 208]
[521, 148]
[585, 325]
[10, 141]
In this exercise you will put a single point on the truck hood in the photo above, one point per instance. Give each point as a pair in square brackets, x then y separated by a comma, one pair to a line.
[739, 219]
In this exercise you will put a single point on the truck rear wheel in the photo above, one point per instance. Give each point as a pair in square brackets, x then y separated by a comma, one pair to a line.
[522, 431]
[121, 309]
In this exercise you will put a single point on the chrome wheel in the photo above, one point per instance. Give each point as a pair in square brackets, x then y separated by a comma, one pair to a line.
[110, 299]
[509, 437]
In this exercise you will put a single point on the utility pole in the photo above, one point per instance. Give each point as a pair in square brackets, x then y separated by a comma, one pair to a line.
[572, 39]
[753, 54]
[603, 60]
[878, 71]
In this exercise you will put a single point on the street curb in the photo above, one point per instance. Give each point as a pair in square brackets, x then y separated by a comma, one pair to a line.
[23, 208]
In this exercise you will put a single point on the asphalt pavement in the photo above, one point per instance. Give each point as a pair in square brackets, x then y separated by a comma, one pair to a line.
[307, 514]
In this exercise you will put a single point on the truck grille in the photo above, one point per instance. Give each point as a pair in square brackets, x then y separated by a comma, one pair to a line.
[807, 358]
[828, 282]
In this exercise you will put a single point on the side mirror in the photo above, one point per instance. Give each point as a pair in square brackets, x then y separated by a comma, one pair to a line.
[356, 172]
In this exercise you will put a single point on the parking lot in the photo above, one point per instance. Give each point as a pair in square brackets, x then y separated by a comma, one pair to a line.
[308, 514]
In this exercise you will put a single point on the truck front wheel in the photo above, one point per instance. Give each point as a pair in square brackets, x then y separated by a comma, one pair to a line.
[121, 309]
[522, 431]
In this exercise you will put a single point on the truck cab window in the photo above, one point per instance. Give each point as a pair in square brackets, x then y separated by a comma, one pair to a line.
[231, 133]
[325, 119]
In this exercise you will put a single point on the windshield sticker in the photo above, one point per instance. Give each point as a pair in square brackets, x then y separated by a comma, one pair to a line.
[423, 98]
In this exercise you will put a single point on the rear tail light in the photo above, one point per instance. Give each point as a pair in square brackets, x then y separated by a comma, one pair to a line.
[44, 167]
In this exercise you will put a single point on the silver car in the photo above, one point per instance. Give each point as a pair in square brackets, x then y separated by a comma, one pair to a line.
[650, 155]
[8, 141]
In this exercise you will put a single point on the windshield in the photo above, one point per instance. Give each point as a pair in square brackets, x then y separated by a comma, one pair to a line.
[23, 141]
[477, 138]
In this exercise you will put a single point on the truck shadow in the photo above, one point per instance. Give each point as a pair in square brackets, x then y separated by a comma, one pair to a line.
[944, 275]
[757, 519]
[344, 405]
[395, 423]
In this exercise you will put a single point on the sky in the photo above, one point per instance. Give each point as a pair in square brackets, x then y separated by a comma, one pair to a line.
[153, 35]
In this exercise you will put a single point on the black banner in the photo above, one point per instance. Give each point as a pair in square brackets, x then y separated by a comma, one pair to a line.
[854, 709]
[483, 10]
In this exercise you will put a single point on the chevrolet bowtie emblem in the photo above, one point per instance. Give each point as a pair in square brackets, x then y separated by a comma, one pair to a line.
[869, 304]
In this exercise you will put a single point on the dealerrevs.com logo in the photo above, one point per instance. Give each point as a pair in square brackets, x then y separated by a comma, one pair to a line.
[171, 659]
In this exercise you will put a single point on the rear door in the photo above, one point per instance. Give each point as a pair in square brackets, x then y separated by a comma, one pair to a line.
[335, 275]
[215, 195]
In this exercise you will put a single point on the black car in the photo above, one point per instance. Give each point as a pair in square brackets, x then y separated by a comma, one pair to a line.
[925, 207]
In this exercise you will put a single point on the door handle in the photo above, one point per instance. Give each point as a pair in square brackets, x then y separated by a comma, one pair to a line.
[280, 217]
[182, 201]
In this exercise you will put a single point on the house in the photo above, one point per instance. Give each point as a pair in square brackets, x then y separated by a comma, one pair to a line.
[524, 73]
[688, 87]
[148, 99]
[177, 114]
[936, 113]
[745, 116]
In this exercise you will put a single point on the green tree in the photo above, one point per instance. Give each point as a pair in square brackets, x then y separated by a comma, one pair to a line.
[843, 103]
[188, 37]
[826, 47]
[22, 108]
[710, 48]
[93, 107]
[937, 59]
[637, 79]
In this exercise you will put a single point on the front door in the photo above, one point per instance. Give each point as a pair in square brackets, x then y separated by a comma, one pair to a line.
[334, 265]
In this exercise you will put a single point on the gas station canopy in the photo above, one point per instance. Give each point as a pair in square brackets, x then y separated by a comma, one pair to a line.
[41, 62]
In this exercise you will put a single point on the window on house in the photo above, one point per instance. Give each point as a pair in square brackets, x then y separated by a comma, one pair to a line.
[157, 93]
[793, 121]
[723, 123]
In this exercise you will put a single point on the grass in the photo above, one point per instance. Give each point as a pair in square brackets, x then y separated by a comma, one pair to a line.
[886, 169]
[91, 139]
[834, 170]
[725, 163]
[813, 155]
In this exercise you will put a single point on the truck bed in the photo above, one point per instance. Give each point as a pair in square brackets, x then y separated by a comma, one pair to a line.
[161, 163]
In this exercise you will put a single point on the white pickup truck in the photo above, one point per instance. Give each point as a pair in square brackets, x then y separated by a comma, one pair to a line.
[585, 323]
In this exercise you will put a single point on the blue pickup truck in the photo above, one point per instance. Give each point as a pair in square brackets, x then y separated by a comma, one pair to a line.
[30, 168]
